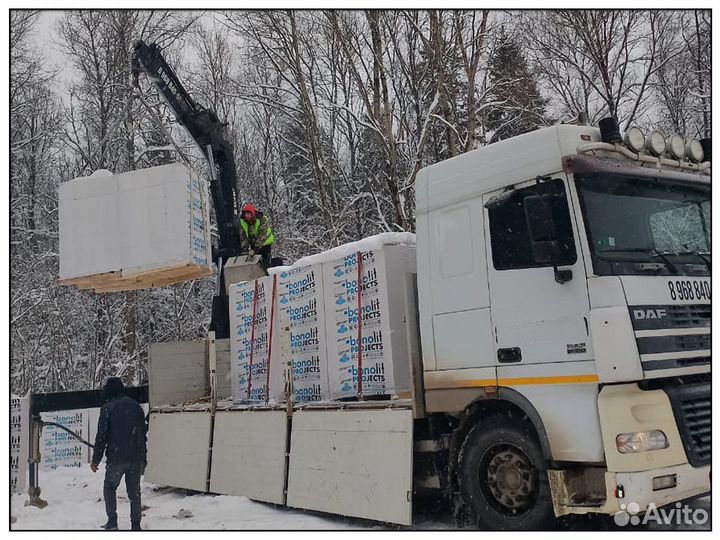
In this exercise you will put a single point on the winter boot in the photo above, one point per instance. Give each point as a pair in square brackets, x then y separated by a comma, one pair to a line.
[111, 525]
[135, 526]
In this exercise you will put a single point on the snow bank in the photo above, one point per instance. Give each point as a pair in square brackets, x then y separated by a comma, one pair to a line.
[370, 243]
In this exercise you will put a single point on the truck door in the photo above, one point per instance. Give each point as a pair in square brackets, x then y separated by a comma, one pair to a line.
[535, 319]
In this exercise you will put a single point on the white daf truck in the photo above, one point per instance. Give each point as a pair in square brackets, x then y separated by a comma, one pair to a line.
[560, 322]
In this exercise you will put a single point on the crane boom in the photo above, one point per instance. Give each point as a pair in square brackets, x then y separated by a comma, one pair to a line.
[208, 132]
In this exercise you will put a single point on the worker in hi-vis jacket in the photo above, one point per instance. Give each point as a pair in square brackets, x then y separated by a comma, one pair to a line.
[256, 232]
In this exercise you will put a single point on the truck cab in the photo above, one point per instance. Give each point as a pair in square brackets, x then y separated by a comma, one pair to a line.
[564, 311]
[551, 323]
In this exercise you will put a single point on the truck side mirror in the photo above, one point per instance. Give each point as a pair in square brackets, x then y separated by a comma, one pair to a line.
[543, 235]
[545, 251]
[541, 224]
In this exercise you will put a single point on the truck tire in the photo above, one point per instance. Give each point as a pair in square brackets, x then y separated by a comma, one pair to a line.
[502, 476]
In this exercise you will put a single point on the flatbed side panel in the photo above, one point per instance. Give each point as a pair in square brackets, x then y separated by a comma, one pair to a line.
[177, 372]
[353, 462]
[178, 449]
[222, 359]
[249, 454]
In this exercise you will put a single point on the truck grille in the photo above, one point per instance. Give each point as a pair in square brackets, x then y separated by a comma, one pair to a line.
[661, 344]
[691, 406]
[662, 351]
[690, 316]
[656, 317]
[692, 362]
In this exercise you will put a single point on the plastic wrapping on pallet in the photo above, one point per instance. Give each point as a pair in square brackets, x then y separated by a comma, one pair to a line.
[369, 301]
[321, 304]
[89, 232]
[370, 243]
[252, 321]
[139, 229]
[303, 306]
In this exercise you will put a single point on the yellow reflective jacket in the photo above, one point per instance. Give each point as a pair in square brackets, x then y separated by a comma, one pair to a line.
[259, 233]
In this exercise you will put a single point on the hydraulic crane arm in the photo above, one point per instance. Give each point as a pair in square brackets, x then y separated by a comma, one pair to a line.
[207, 131]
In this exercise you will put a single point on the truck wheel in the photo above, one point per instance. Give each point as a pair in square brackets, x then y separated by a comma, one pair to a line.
[502, 478]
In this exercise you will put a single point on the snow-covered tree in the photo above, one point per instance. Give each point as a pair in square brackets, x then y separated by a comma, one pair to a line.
[516, 103]
[331, 115]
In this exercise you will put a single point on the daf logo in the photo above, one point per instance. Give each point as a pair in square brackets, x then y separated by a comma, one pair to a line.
[643, 314]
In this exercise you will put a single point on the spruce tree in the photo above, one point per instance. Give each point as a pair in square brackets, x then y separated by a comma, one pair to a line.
[517, 105]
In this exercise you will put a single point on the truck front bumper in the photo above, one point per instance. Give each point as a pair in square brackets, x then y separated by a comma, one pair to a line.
[638, 487]
[624, 488]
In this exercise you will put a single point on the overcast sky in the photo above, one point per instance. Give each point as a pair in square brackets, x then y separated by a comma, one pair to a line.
[48, 43]
[45, 38]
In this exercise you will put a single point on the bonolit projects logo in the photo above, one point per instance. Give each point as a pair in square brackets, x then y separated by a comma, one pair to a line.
[679, 514]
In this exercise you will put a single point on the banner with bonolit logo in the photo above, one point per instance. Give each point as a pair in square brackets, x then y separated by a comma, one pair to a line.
[19, 442]
[58, 448]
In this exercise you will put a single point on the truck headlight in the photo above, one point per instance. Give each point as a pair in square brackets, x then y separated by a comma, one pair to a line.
[676, 146]
[635, 139]
[695, 150]
[641, 441]
[655, 143]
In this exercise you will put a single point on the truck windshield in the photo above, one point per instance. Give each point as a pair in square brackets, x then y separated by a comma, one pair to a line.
[645, 225]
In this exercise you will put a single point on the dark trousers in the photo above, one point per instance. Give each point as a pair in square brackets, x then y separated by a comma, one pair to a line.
[264, 252]
[113, 474]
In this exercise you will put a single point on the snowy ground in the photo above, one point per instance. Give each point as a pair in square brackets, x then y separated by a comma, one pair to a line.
[74, 499]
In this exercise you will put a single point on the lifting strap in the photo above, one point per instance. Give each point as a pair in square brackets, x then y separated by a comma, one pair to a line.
[153, 115]
[360, 323]
[110, 132]
[252, 340]
[270, 338]
[165, 131]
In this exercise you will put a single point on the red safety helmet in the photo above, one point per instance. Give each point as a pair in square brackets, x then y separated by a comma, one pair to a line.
[250, 207]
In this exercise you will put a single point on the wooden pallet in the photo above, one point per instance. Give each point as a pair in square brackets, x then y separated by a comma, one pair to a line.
[84, 282]
[131, 281]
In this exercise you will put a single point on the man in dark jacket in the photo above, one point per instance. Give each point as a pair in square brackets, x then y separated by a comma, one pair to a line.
[121, 436]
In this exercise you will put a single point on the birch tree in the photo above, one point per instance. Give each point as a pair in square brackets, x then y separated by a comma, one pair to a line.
[598, 61]
[682, 80]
